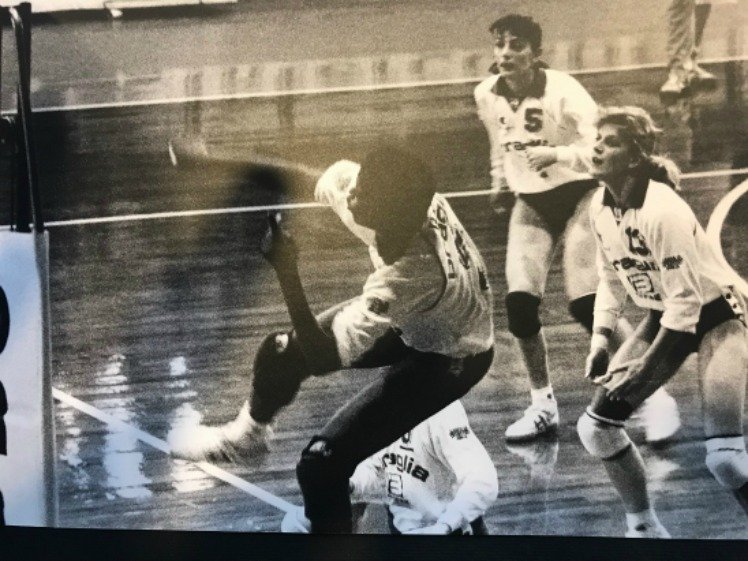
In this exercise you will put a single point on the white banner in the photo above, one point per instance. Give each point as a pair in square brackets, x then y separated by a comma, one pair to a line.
[26, 435]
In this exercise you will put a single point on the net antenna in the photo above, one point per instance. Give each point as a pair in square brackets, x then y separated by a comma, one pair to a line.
[16, 135]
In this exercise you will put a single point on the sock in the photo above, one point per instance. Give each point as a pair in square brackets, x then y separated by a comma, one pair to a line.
[634, 520]
[543, 395]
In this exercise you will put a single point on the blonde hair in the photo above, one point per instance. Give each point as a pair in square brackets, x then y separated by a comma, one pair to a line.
[640, 129]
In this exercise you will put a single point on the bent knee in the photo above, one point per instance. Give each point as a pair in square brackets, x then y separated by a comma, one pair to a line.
[320, 463]
[727, 461]
[601, 439]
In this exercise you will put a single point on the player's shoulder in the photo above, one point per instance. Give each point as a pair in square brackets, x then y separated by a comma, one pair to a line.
[452, 415]
[485, 86]
[558, 81]
[663, 202]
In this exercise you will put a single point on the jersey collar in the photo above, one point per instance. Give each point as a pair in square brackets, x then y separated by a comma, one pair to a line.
[636, 199]
[536, 89]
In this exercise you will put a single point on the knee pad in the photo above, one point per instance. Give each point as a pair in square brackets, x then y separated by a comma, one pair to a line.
[583, 310]
[279, 368]
[602, 440]
[727, 461]
[320, 466]
[324, 481]
[522, 314]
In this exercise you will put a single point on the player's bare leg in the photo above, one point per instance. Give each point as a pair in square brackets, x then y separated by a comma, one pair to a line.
[530, 250]
[607, 440]
[723, 363]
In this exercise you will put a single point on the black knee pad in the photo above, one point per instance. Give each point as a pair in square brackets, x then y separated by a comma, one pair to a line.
[324, 481]
[279, 368]
[583, 310]
[522, 313]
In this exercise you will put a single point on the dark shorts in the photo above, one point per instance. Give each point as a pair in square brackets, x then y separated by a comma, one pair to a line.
[712, 314]
[556, 206]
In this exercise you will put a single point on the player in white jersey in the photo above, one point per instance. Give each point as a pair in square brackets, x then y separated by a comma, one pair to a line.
[435, 479]
[541, 126]
[651, 246]
[425, 315]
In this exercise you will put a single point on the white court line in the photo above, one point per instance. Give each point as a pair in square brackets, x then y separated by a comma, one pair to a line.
[210, 469]
[714, 229]
[350, 89]
[295, 206]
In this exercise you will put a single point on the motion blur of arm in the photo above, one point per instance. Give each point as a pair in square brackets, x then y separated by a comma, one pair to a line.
[319, 348]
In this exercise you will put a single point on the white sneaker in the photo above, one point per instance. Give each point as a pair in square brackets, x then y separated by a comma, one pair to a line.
[295, 522]
[538, 419]
[659, 417]
[648, 530]
[675, 85]
[229, 442]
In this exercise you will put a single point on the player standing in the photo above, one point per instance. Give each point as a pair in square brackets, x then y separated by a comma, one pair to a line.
[541, 126]
[425, 315]
[651, 246]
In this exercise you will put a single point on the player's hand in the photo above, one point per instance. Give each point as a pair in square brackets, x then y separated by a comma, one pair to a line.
[540, 157]
[502, 200]
[438, 529]
[626, 379]
[596, 365]
[277, 245]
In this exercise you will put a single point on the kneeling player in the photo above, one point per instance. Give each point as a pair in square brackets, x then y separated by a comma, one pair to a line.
[435, 479]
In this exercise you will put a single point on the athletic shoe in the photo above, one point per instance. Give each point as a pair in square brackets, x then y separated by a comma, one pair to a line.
[701, 78]
[294, 522]
[538, 419]
[648, 530]
[675, 85]
[231, 442]
[659, 416]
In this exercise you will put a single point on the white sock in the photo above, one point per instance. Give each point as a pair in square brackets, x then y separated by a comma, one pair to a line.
[543, 396]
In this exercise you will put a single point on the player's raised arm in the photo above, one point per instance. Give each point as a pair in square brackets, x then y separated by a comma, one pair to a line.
[260, 171]
[319, 348]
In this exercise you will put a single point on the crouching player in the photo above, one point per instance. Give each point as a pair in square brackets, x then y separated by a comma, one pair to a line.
[651, 246]
[435, 479]
[425, 316]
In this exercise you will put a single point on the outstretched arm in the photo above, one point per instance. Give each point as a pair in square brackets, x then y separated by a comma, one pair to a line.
[261, 171]
[319, 348]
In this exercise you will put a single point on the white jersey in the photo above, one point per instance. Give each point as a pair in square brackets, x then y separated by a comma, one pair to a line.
[657, 253]
[436, 296]
[557, 112]
[437, 472]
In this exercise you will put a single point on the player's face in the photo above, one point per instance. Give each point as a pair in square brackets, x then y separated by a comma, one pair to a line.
[613, 155]
[513, 54]
[364, 203]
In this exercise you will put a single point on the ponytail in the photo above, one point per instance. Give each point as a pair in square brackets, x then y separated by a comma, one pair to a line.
[663, 170]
